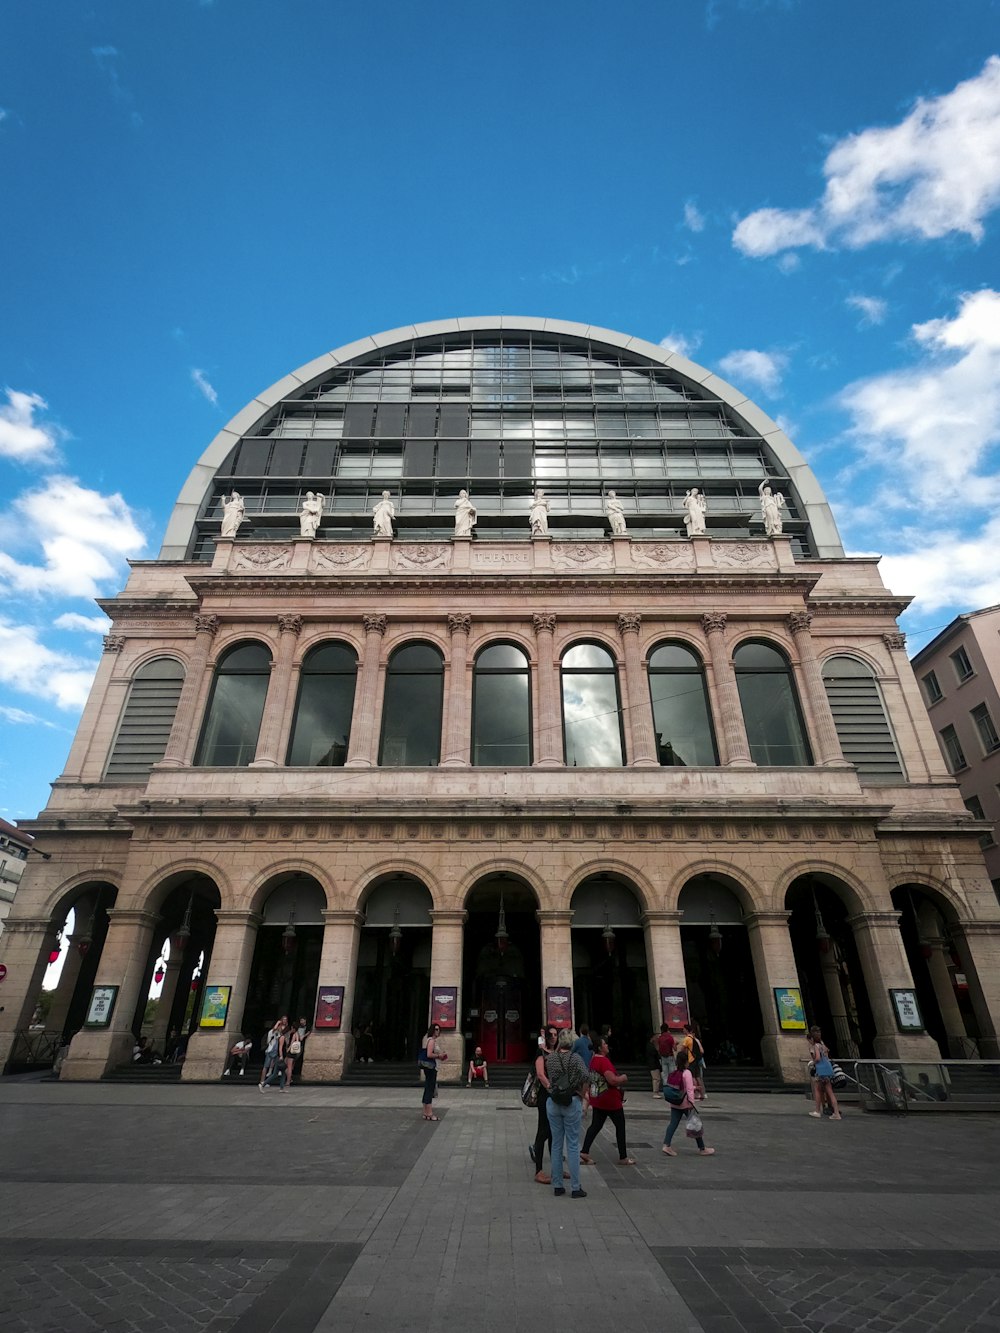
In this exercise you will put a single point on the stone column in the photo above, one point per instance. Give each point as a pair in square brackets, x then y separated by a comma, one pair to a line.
[550, 746]
[24, 950]
[187, 719]
[978, 945]
[456, 742]
[884, 964]
[328, 1050]
[774, 965]
[664, 958]
[274, 722]
[447, 939]
[168, 993]
[641, 732]
[843, 1042]
[93, 1051]
[732, 734]
[956, 1037]
[62, 997]
[556, 942]
[362, 751]
[97, 706]
[229, 965]
[903, 698]
[825, 738]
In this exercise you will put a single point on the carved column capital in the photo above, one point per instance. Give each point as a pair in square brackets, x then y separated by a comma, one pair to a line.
[114, 643]
[459, 623]
[206, 624]
[374, 624]
[894, 639]
[544, 621]
[290, 624]
[629, 622]
[714, 622]
[800, 622]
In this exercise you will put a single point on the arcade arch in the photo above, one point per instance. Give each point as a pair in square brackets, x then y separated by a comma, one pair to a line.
[392, 981]
[284, 973]
[502, 968]
[945, 981]
[610, 967]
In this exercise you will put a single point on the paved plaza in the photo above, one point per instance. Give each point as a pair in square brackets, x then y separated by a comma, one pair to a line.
[216, 1208]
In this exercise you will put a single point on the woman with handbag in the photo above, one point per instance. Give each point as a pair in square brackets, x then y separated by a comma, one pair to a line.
[429, 1056]
[822, 1066]
[683, 1109]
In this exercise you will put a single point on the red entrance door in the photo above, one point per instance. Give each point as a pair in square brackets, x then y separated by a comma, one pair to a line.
[501, 1023]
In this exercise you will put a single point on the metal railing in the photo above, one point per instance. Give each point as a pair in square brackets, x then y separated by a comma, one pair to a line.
[923, 1085]
[34, 1046]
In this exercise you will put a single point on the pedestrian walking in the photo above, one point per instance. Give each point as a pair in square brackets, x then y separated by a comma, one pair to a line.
[822, 1078]
[543, 1130]
[583, 1046]
[653, 1062]
[665, 1044]
[682, 1080]
[607, 1104]
[271, 1047]
[697, 1059]
[568, 1083]
[429, 1057]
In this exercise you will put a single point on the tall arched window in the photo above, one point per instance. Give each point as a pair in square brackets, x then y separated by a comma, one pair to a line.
[411, 714]
[770, 707]
[592, 713]
[147, 720]
[859, 716]
[322, 726]
[501, 707]
[681, 718]
[235, 707]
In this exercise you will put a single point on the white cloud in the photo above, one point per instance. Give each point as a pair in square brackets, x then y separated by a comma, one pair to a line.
[22, 437]
[72, 620]
[20, 718]
[107, 57]
[932, 424]
[84, 536]
[4, 113]
[694, 219]
[934, 173]
[684, 344]
[28, 666]
[872, 309]
[201, 380]
[948, 570]
[764, 369]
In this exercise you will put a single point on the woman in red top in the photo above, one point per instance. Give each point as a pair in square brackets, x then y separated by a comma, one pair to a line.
[607, 1106]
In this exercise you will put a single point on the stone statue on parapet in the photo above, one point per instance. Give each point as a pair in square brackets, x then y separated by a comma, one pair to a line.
[311, 513]
[615, 511]
[465, 515]
[383, 515]
[538, 515]
[695, 508]
[771, 505]
[233, 514]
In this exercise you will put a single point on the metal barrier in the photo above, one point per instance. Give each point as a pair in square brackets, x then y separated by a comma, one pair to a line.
[923, 1085]
[34, 1047]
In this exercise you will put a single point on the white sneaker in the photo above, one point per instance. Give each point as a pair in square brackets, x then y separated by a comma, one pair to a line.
[226, 1073]
[242, 1072]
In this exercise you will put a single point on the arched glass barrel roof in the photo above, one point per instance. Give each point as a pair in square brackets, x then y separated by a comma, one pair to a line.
[499, 406]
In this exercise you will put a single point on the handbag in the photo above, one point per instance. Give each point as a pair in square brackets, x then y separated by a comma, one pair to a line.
[839, 1077]
[529, 1089]
[824, 1068]
[598, 1085]
[426, 1064]
[694, 1127]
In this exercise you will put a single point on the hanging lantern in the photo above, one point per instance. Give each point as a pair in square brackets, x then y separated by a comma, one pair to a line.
[607, 934]
[83, 944]
[395, 934]
[501, 936]
[288, 940]
[195, 983]
[159, 974]
[54, 954]
[926, 948]
[715, 936]
[180, 937]
[822, 934]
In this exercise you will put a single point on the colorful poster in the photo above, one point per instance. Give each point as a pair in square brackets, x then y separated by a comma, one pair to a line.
[674, 1007]
[558, 1007]
[908, 1016]
[329, 1007]
[444, 1007]
[791, 1014]
[102, 1006]
[215, 1006]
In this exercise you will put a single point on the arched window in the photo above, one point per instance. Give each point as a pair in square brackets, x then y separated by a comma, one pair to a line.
[322, 726]
[411, 714]
[236, 705]
[501, 707]
[681, 718]
[147, 720]
[859, 716]
[770, 707]
[592, 715]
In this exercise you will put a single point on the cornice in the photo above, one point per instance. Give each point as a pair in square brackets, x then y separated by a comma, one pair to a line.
[860, 606]
[123, 608]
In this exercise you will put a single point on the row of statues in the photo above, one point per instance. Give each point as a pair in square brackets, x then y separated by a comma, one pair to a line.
[695, 505]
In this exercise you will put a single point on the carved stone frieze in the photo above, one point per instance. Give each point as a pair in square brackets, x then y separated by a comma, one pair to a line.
[206, 624]
[578, 555]
[290, 624]
[894, 639]
[114, 643]
[799, 622]
[374, 624]
[743, 555]
[663, 555]
[544, 622]
[714, 622]
[422, 556]
[262, 559]
[459, 623]
[342, 555]
[629, 622]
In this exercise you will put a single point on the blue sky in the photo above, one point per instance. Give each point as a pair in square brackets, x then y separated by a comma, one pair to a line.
[199, 196]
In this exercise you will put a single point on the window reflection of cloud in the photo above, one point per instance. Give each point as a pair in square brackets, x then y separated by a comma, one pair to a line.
[593, 737]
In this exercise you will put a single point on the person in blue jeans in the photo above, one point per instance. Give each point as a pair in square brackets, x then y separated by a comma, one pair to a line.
[568, 1081]
[681, 1078]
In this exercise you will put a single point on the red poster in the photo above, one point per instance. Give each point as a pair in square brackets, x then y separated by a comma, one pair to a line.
[444, 1007]
[329, 1004]
[674, 1006]
[558, 1007]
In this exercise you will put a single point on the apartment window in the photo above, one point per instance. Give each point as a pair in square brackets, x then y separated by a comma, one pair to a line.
[953, 752]
[932, 690]
[963, 667]
[988, 737]
[975, 808]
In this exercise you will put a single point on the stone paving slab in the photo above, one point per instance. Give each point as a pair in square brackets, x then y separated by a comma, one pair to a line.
[196, 1207]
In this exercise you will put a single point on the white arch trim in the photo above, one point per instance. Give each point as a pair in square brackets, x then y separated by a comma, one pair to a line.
[188, 506]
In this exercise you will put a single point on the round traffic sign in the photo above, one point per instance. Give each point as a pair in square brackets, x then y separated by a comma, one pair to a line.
[3, 971]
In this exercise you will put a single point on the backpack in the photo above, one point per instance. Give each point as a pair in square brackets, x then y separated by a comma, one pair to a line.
[529, 1089]
[561, 1091]
[296, 1047]
[598, 1084]
[673, 1093]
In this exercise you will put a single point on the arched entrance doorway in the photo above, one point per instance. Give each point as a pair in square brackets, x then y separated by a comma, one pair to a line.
[284, 975]
[502, 969]
[933, 950]
[177, 963]
[718, 968]
[392, 989]
[610, 974]
[834, 992]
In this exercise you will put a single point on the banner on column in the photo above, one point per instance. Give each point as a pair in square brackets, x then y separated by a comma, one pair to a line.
[329, 1007]
[215, 1006]
[791, 1014]
[558, 1007]
[444, 1007]
[674, 1006]
[102, 1006]
[907, 1010]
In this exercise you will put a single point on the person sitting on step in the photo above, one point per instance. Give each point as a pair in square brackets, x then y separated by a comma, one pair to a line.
[478, 1069]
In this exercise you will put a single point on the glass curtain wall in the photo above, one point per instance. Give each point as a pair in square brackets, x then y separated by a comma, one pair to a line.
[592, 718]
[322, 728]
[411, 715]
[501, 708]
[681, 718]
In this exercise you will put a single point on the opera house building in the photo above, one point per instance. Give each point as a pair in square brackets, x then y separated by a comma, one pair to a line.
[505, 671]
